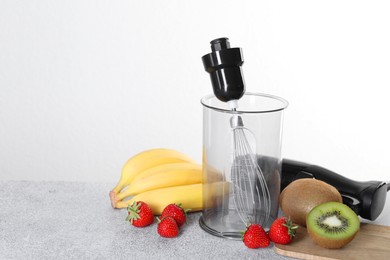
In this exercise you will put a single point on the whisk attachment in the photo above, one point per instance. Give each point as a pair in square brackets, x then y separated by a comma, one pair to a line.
[251, 195]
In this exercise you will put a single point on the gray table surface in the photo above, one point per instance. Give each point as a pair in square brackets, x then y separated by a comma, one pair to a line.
[70, 220]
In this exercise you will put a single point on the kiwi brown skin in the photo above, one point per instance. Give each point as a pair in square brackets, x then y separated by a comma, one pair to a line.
[302, 195]
[336, 241]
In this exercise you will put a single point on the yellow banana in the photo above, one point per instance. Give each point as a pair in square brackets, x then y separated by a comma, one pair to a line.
[145, 160]
[180, 166]
[190, 197]
[162, 176]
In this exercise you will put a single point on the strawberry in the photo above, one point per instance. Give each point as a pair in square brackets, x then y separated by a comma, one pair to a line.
[167, 227]
[176, 212]
[254, 236]
[140, 214]
[282, 230]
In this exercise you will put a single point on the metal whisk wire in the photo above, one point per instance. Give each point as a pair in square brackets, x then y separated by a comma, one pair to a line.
[250, 191]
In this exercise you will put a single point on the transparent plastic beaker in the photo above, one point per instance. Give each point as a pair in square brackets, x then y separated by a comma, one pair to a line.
[262, 116]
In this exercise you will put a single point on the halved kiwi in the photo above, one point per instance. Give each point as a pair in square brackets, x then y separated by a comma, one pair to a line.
[332, 224]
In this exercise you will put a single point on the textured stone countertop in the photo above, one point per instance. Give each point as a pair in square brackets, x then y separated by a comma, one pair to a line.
[69, 220]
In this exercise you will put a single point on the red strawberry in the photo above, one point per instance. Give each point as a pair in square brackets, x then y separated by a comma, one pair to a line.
[254, 236]
[167, 227]
[176, 212]
[282, 231]
[140, 214]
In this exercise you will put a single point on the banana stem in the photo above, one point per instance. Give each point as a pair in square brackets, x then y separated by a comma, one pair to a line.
[112, 195]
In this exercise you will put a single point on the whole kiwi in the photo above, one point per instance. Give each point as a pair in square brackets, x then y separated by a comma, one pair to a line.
[302, 195]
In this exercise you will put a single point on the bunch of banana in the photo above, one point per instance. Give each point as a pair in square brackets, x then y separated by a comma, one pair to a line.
[159, 177]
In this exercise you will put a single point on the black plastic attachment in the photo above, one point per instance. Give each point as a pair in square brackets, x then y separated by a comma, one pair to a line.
[224, 65]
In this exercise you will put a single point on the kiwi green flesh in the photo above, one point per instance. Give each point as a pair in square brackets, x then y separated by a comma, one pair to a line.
[332, 222]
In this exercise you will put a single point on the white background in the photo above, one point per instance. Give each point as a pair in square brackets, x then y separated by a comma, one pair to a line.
[84, 85]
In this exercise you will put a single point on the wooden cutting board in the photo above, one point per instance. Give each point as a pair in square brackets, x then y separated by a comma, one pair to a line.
[372, 242]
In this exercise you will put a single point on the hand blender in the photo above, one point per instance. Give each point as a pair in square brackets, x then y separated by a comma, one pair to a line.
[367, 199]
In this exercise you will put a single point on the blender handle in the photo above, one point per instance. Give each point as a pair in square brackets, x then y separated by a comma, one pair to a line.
[367, 199]
[297, 170]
